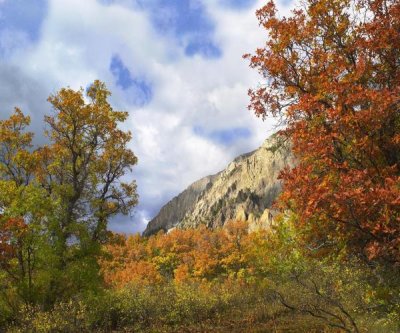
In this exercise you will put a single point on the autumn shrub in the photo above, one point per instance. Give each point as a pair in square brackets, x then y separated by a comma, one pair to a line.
[70, 316]
[170, 305]
[344, 293]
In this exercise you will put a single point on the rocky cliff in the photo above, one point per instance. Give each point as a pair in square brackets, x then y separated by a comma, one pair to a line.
[175, 210]
[244, 190]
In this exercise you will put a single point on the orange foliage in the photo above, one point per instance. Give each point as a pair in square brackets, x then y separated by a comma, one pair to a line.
[11, 232]
[183, 255]
[333, 76]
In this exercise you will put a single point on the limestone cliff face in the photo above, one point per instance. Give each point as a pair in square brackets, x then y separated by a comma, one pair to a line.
[245, 190]
[173, 212]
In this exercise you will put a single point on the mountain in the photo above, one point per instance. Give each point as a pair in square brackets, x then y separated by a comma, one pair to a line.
[245, 190]
[174, 211]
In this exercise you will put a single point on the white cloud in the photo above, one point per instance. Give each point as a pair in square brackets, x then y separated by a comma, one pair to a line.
[77, 42]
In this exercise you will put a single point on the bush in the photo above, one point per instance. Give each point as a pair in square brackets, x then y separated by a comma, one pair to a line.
[71, 316]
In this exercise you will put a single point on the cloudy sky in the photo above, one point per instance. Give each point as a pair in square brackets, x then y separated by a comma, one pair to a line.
[175, 65]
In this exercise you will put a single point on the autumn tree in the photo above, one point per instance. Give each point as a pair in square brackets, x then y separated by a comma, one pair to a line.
[23, 205]
[63, 193]
[83, 167]
[332, 74]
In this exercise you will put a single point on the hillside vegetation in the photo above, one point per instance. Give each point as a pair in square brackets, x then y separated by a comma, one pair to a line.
[225, 280]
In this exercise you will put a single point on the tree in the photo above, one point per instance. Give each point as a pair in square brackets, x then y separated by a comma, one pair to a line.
[333, 78]
[23, 205]
[83, 167]
[65, 192]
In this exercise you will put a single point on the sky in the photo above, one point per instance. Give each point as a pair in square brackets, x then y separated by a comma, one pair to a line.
[175, 65]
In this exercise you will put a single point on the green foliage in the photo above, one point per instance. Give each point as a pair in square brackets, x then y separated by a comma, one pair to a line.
[65, 317]
[163, 308]
[351, 295]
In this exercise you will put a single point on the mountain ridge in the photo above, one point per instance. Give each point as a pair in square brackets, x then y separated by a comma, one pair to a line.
[244, 190]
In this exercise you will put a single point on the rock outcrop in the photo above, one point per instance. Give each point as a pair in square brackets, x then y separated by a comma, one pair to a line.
[245, 190]
[174, 211]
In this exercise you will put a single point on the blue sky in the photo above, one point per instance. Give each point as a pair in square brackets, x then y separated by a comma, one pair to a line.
[138, 91]
[22, 15]
[175, 65]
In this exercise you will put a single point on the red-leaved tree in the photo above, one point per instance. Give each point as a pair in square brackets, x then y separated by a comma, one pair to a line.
[332, 72]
